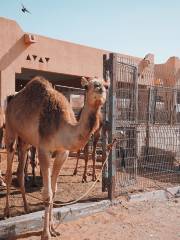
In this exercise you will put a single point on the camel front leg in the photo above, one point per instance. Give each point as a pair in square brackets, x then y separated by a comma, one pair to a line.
[58, 163]
[76, 168]
[44, 161]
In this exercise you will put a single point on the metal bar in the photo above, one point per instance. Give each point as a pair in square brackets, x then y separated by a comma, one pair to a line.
[135, 79]
[70, 88]
[127, 64]
[112, 104]
[154, 105]
[104, 129]
[136, 95]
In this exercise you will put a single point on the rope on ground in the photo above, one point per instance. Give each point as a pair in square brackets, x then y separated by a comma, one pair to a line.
[108, 150]
[165, 189]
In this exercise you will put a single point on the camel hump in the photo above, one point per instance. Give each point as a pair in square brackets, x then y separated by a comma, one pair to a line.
[39, 81]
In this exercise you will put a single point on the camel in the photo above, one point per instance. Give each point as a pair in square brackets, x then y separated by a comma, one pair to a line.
[95, 139]
[41, 116]
[144, 64]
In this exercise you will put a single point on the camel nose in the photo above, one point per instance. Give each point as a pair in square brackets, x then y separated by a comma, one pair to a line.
[100, 90]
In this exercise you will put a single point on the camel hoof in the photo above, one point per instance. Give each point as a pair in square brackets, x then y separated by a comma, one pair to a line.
[54, 233]
[27, 209]
[84, 180]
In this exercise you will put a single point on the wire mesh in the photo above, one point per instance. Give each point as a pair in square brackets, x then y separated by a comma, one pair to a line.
[146, 157]
[147, 126]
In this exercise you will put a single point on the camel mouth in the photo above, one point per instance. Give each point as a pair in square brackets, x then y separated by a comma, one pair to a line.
[100, 91]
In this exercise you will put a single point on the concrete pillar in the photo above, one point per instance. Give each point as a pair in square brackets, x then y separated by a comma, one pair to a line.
[7, 84]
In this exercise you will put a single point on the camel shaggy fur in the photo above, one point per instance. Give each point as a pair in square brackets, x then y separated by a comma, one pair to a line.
[41, 116]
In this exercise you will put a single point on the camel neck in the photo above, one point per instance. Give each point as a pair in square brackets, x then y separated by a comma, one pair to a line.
[81, 132]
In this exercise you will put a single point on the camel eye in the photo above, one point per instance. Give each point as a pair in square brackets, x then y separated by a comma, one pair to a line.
[106, 87]
[96, 85]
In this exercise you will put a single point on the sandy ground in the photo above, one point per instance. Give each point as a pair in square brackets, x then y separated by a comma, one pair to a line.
[69, 187]
[141, 221]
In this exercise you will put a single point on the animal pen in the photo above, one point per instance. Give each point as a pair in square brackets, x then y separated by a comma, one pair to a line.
[142, 112]
[144, 118]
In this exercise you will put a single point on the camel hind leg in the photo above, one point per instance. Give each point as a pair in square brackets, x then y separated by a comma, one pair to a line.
[22, 158]
[10, 141]
[77, 162]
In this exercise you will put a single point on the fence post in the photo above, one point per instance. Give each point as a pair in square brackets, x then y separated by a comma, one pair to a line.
[105, 127]
[136, 115]
[173, 107]
[112, 105]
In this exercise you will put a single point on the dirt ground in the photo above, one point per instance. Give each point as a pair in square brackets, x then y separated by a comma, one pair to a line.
[140, 221]
[69, 187]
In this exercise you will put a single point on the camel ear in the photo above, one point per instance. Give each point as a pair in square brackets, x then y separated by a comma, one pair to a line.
[84, 82]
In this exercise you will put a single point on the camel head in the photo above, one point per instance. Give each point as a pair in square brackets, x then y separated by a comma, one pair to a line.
[145, 62]
[96, 90]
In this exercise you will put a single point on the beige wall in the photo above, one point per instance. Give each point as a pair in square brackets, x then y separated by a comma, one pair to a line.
[167, 74]
[64, 57]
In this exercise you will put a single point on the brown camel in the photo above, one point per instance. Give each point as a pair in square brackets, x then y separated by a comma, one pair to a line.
[95, 138]
[41, 116]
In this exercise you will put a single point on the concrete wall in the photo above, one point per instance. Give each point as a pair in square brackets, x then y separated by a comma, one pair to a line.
[56, 56]
[168, 73]
[44, 54]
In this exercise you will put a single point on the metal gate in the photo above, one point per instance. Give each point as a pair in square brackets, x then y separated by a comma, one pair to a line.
[144, 120]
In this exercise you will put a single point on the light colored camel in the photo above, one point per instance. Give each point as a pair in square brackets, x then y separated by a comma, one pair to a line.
[95, 138]
[42, 117]
[144, 64]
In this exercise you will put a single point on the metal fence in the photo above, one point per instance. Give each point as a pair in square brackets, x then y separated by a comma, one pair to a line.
[145, 120]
